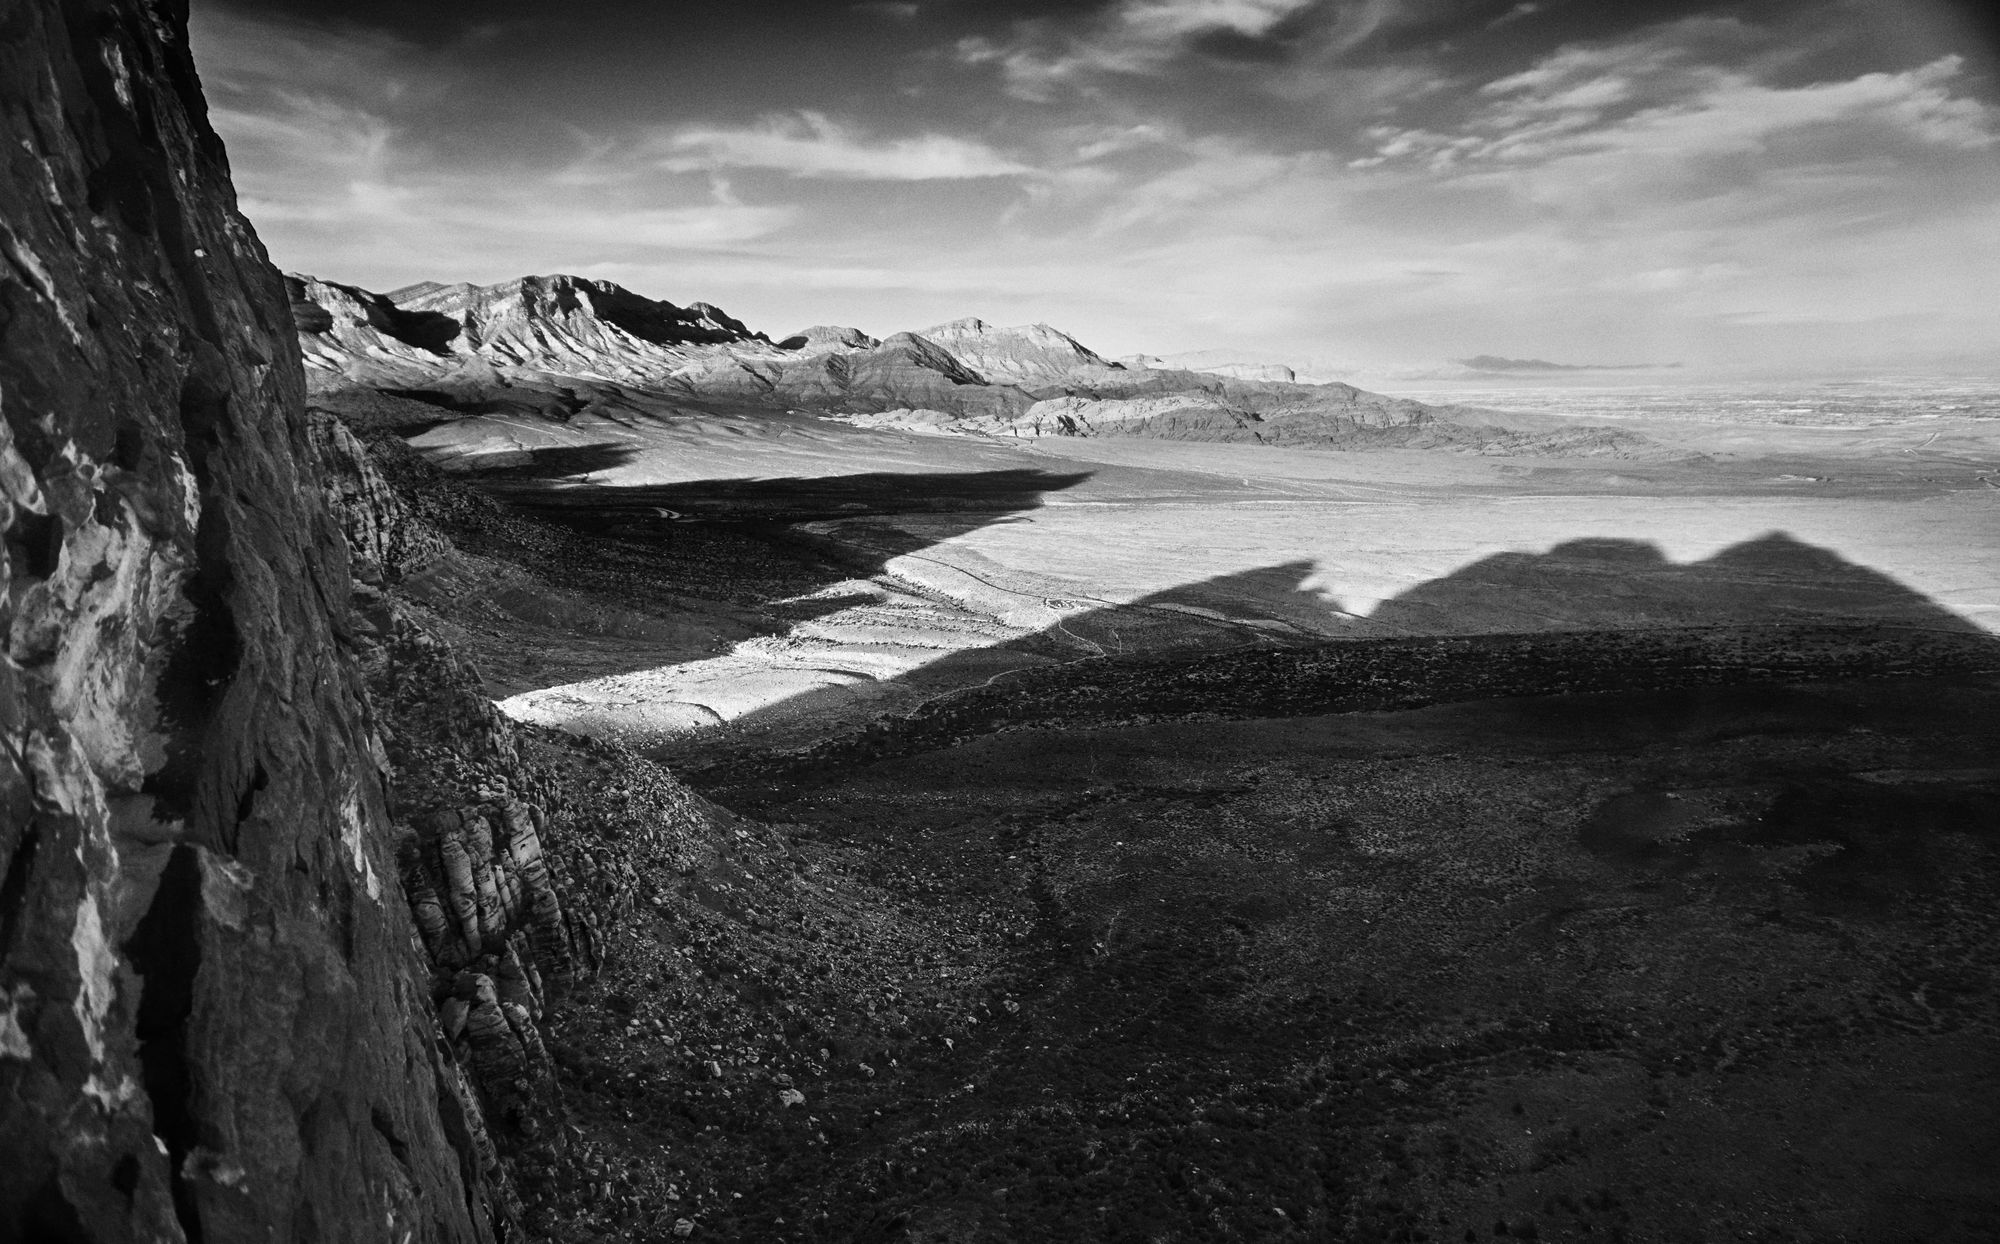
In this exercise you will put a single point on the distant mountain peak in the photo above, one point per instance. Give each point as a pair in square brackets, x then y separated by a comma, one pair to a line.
[828, 336]
[515, 345]
[973, 326]
[970, 326]
[335, 321]
[423, 289]
[1023, 354]
[523, 312]
[1494, 363]
[554, 322]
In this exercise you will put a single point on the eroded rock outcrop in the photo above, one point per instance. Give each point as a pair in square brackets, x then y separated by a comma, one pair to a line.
[383, 533]
[214, 1013]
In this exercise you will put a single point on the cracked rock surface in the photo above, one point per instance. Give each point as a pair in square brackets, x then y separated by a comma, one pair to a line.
[213, 1012]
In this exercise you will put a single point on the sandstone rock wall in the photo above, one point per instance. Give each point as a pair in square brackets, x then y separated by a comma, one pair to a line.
[215, 1019]
[384, 534]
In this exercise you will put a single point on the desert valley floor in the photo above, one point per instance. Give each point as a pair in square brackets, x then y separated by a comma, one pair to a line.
[909, 564]
[1145, 840]
[535, 763]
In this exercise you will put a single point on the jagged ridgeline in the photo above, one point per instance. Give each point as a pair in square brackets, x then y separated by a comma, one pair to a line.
[511, 346]
[283, 901]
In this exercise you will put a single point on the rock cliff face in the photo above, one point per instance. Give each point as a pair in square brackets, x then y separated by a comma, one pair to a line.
[384, 535]
[215, 1010]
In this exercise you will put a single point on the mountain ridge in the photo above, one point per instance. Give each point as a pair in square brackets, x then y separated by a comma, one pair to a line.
[966, 376]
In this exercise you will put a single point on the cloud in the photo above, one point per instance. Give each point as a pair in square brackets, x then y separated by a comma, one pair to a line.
[1686, 193]
[334, 163]
[1134, 38]
[1653, 106]
[1038, 66]
[308, 131]
[239, 54]
[810, 144]
[1217, 184]
[901, 12]
[1175, 19]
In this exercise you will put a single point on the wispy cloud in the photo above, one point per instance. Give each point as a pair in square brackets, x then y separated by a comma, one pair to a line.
[1037, 64]
[1042, 58]
[810, 144]
[327, 141]
[1628, 107]
[1520, 11]
[1673, 194]
[1174, 19]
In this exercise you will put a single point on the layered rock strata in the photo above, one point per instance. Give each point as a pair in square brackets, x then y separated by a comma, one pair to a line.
[383, 534]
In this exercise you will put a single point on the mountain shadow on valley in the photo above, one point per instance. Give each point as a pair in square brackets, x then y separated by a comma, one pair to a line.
[456, 405]
[1772, 580]
[569, 583]
[1591, 614]
[556, 462]
[978, 496]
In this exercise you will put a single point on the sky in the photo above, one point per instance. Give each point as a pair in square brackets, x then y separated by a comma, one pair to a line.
[1373, 186]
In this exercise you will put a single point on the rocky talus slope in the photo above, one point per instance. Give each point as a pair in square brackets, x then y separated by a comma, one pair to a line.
[509, 869]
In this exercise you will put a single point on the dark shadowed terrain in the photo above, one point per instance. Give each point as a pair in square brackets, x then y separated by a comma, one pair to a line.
[1143, 828]
[1156, 841]
[1584, 894]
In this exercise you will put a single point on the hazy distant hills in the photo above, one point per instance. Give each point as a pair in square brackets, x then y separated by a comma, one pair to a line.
[1492, 363]
[523, 344]
[1218, 363]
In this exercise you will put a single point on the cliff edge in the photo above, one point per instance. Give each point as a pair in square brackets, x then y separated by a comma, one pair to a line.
[214, 1022]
